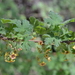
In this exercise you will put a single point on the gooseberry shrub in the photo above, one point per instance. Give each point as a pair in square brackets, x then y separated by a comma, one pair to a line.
[37, 40]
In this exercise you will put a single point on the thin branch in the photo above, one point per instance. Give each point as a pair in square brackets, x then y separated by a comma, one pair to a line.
[36, 41]
[68, 41]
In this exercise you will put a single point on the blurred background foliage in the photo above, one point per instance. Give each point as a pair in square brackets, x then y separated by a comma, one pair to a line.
[25, 64]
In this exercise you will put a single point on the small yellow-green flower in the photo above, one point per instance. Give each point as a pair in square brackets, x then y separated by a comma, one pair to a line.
[65, 52]
[40, 42]
[47, 50]
[66, 59]
[39, 50]
[19, 49]
[10, 60]
[33, 38]
[73, 47]
[6, 54]
[38, 59]
[10, 45]
[46, 56]
[49, 58]
[42, 64]
[13, 56]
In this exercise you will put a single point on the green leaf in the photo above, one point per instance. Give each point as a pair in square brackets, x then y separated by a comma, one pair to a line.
[27, 45]
[49, 40]
[57, 42]
[32, 20]
[40, 30]
[35, 22]
[45, 36]
[24, 27]
[52, 40]
[2, 30]
[54, 19]
[5, 20]
[68, 21]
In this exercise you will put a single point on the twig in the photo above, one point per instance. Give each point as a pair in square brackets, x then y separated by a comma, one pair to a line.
[36, 41]
[68, 41]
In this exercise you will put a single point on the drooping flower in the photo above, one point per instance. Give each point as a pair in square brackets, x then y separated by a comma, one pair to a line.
[46, 56]
[73, 47]
[39, 50]
[19, 49]
[42, 64]
[49, 58]
[33, 38]
[38, 59]
[65, 52]
[10, 45]
[10, 60]
[47, 50]
[7, 54]
[66, 59]
[13, 56]
[40, 42]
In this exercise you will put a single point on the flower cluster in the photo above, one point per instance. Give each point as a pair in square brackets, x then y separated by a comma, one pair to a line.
[43, 51]
[46, 56]
[11, 56]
